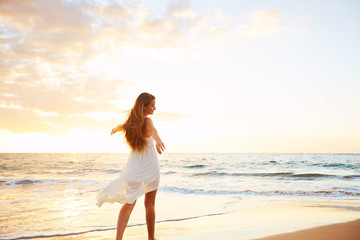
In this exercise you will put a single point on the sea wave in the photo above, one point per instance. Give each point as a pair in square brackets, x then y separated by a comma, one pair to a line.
[267, 174]
[195, 166]
[337, 165]
[53, 182]
[254, 192]
[351, 176]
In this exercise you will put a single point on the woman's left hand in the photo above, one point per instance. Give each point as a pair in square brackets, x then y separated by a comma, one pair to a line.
[160, 147]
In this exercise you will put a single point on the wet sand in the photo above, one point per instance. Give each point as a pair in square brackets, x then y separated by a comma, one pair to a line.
[331, 220]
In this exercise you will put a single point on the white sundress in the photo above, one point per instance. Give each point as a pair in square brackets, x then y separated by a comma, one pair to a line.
[140, 175]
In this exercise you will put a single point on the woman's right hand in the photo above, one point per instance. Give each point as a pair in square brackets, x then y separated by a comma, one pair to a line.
[116, 129]
[113, 131]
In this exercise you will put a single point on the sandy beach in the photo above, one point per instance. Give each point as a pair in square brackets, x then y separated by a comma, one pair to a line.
[348, 231]
[291, 220]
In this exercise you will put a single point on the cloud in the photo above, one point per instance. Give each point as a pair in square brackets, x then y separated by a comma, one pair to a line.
[324, 102]
[178, 26]
[37, 106]
[265, 23]
[167, 116]
[46, 49]
[61, 61]
[46, 29]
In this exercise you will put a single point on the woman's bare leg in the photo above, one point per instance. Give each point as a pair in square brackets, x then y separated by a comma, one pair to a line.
[150, 213]
[123, 219]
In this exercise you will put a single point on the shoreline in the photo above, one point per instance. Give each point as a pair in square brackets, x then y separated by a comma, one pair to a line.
[287, 220]
[338, 231]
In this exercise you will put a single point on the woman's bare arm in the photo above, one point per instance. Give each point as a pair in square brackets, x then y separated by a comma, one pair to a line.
[160, 146]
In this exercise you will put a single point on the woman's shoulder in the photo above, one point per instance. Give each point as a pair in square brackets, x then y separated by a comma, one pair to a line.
[148, 120]
[149, 123]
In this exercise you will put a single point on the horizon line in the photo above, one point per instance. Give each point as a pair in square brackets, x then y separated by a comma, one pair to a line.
[184, 152]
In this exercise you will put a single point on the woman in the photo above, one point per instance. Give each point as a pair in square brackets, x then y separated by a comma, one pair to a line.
[141, 173]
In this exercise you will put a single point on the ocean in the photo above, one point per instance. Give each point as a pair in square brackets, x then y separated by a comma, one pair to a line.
[55, 194]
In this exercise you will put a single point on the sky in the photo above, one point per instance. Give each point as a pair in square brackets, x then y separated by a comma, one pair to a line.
[229, 76]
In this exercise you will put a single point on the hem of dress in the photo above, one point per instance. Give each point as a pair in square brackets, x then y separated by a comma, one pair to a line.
[124, 201]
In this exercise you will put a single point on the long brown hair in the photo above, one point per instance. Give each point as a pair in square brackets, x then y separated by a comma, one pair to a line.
[133, 126]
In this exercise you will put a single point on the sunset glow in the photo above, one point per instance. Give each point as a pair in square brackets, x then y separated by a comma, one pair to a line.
[232, 76]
